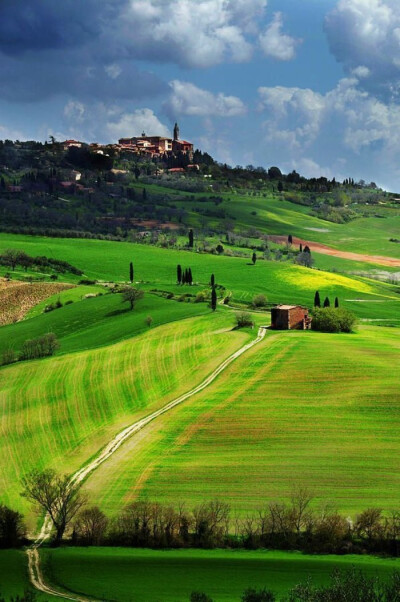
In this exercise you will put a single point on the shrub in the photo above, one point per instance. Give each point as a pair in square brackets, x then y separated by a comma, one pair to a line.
[331, 319]
[8, 357]
[263, 595]
[41, 347]
[259, 300]
[200, 597]
[244, 319]
[149, 321]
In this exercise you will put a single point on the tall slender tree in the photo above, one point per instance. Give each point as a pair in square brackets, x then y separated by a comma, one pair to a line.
[317, 300]
[190, 277]
[213, 299]
[191, 238]
[300, 248]
[336, 302]
[212, 281]
[327, 303]
[183, 280]
[254, 258]
[179, 273]
[290, 239]
[131, 272]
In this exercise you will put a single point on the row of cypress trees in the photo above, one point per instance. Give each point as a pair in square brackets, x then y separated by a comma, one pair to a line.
[184, 276]
[327, 303]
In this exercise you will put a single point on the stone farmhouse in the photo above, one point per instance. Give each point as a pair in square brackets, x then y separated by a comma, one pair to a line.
[290, 317]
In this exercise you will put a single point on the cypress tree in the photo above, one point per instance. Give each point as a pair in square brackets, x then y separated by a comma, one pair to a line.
[179, 273]
[336, 302]
[190, 277]
[213, 299]
[131, 273]
[317, 300]
[290, 239]
[212, 280]
[254, 258]
[183, 280]
[191, 238]
[301, 248]
[327, 303]
[307, 249]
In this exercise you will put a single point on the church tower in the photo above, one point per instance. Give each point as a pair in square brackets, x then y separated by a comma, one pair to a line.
[176, 132]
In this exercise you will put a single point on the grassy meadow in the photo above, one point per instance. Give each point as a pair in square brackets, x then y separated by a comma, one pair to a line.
[58, 412]
[126, 575]
[301, 409]
[156, 268]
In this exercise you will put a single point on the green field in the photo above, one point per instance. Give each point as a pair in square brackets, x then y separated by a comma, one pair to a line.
[170, 576]
[156, 267]
[58, 412]
[301, 409]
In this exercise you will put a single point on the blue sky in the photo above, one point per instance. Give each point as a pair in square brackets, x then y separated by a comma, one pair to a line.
[311, 85]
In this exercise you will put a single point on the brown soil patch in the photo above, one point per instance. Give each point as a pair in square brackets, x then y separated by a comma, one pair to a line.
[325, 250]
[17, 298]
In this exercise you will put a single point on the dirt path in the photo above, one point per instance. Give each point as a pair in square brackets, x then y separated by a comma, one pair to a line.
[34, 567]
[325, 250]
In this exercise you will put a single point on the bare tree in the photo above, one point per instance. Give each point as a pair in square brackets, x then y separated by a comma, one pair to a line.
[131, 295]
[301, 499]
[90, 525]
[56, 495]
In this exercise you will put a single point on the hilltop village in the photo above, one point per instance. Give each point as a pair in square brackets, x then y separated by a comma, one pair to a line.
[147, 147]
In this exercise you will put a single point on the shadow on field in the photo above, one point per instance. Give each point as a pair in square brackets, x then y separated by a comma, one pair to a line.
[118, 312]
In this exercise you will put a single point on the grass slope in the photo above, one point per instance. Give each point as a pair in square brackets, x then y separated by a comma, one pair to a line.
[306, 409]
[281, 282]
[170, 576]
[59, 411]
[96, 322]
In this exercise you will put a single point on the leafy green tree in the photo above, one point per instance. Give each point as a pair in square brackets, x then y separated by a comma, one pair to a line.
[12, 529]
[329, 319]
[131, 294]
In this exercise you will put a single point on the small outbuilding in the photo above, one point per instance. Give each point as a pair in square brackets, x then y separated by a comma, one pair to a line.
[290, 317]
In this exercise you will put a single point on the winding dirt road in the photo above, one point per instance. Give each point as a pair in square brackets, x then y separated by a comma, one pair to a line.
[34, 566]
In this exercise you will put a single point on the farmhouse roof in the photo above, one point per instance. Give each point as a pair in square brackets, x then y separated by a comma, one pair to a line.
[287, 306]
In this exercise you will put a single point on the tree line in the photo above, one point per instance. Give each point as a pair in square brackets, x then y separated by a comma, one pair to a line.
[14, 257]
[43, 346]
[294, 524]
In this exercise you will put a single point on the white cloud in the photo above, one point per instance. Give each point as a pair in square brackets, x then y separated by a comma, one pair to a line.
[188, 99]
[277, 44]
[367, 33]
[196, 34]
[113, 70]
[133, 124]
[75, 111]
[348, 122]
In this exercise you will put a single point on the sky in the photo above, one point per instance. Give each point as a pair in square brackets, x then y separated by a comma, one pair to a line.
[311, 85]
